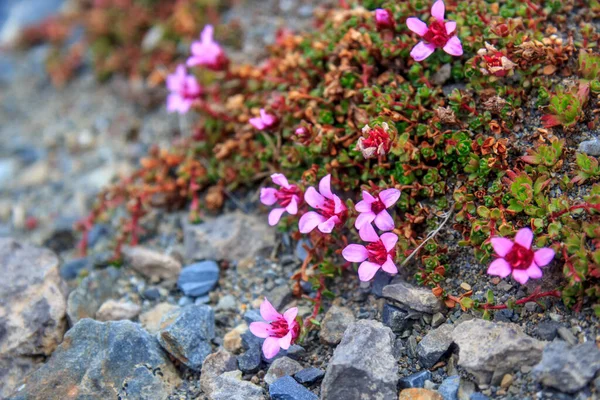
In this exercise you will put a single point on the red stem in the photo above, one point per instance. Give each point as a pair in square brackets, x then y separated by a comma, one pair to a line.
[585, 206]
[533, 297]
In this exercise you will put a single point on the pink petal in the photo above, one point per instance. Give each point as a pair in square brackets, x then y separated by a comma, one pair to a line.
[325, 186]
[275, 216]
[520, 276]
[290, 315]
[280, 180]
[257, 122]
[450, 27]
[260, 329]
[417, 26]
[438, 10]
[367, 233]
[310, 221]
[502, 246]
[389, 266]
[268, 119]
[174, 101]
[328, 225]
[389, 240]
[314, 198]
[499, 267]
[543, 256]
[184, 106]
[292, 208]
[193, 87]
[367, 270]
[193, 60]
[355, 253]
[363, 206]
[267, 196]
[207, 34]
[524, 237]
[368, 198]
[285, 341]
[364, 218]
[453, 46]
[268, 312]
[338, 205]
[389, 197]
[384, 221]
[271, 347]
[534, 271]
[421, 51]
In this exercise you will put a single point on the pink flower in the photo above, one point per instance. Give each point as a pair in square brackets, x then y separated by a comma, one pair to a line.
[331, 209]
[207, 52]
[279, 332]
[377, 141]
[384, 19]
[265, 120]
[518, 258]
[288, 197]
[374, 209]
[184, 90]
[438, 34]
[379, 253]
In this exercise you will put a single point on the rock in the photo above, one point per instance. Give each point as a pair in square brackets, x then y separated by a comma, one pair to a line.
[590, 147]
[213, 366]
[280, 296]
[442, 75]
[335, 322]
[486, 348]
[396, 318]
[478, 396]
[466, 389]
[151, 318]
[283, 366]
[199, 278]
[91, 293]
[547, 330]
[230, 386]
[32, 309]
[434, 345]
[103, 360]
[233, 237]
[415, 298]
[286, 388]
[381, 280]
[362, 365]
[507, 380]
[226, 303]
[112, 310]
[250, 361]
[309, 375]
[151, 293]
[70, 269]
[437, 319]
[566, 335]
[419, 394]
[416, 380]
[232, 341]
[152, 38]
[449, 388]
[568, 368]
[152, 264]
[186, 334]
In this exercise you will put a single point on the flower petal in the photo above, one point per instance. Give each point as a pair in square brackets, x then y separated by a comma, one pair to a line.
[338, 204]
[520, 275]
[292, 208]
[257, 122]
[364, 218]
[389, 240]
[285, 341]
[174, 102]
[367, 197]
[438, 10]
[389, 266]
[328, 225]
[421, 51]
[268, 312]
[325, 186]
[499, 267]
[207, 33]
[355, 253]
[267, 196]
[280, 180]
[267, 119]
[502, 246]
[290, 315]
[313, 198]
[367, 270]
[367, 233]
[275, 215]
[260, 329]
[389, 197]
[271, 347]
[543, 256]
[454, 47]
[384, 221]
[450, 27]
[534, 271]
[363, 206]
[524, 237]
[310, 221]
[417, 26]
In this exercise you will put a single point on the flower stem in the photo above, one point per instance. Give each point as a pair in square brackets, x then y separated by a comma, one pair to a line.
[534, 297]
[583, 206]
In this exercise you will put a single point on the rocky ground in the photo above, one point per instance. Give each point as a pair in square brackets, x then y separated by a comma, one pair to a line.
[172, 321]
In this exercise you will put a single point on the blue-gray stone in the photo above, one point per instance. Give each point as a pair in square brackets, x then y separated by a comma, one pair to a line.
[286, 388]
[381, 280]
[185, 301]
[152, 293]
[70, 269]
[449, 388]
[547, 330]
[396, 318]
[309, 375]
[415, 380]
[250, 361]
[300, 252]
[478, 396]
[198, 279]
[252, 316]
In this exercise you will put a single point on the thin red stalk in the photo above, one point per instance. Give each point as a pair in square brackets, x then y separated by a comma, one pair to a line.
[585, 206]
[318, 298]
[533, 297]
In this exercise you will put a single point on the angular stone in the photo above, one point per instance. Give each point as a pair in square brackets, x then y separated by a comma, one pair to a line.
[283, 366]
[415, 298]
[70, 269]
[547, 330]
[230, 386]
[213, 366]
[151, 318]
[152, 264]
[449, 388]
[478, 396]
[199, 278]
[396, 318]
[250, 361]
[91, 293]
[416, 380]
[590, 147]
[232, 341]
[286, 388]
[113, 310]
[486, 348]
[309, 375]
[363, 365]
[434, 345]
[419, 394]
[335, 322]
[186, 334]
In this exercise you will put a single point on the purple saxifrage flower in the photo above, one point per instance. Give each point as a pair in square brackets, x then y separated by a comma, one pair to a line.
[331, 210]
[184, 90]
[379, 253]
[206, 52]
[264, 121]
[373, 208]
[287, 196]
[279, 331]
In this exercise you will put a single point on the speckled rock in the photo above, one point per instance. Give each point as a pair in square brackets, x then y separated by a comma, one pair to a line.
[91, 293]
[419, 394]
[286, 388]
[113, 310]
[152, 264]
[434, 345]
[230, 386]
[416, 298]
[334, 324]
[151, 318]
[590, 147]
[213, 366]
[283, 366]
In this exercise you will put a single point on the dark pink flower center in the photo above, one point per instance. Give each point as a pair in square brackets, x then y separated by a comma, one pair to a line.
[280, 328]
[437, 34]
[378, 254]
[377, 136]
[285, 195]
[519, 257]
[378, 206]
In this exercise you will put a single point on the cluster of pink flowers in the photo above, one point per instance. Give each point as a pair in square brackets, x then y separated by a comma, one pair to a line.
[279, 331]
[264, 121]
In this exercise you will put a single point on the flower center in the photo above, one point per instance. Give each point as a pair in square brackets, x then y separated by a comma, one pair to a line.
[437, 34]
[378, 254]
[378, 137]
[328, 208]
[377, 206]
[280, 328]
[285, 195]
[519, 257]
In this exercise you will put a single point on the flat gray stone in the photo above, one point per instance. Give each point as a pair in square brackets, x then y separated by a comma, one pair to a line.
[434, 345]
[199, 278]
[416, 298]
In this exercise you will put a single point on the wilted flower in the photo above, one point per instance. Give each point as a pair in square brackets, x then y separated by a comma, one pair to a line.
[207, 52]
[279, 331]
[331, 209]
[373, 208]
[384, 19]
[518, 257]
[446, 115]
[287, 196]
[495, 62]
[264, 121]
[184, 90]
[379, 253]
[377, 141]
[439, 34]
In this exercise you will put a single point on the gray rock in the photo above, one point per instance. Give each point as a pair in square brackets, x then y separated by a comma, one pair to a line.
[151, 318]
[283, 366]
[335, 322]
[437, 319]
[300, 252]
[152, 264]
[416, 380]
[486, 348]
[186, 334]
[466, 389]
[103, 361]
[250, 361]
[230, 386]
[566, 335]
[280, 296]
[91, 293]
[547, 330]
[478, 396]
[442, 75]
[286, 388]
[309, 375]
[590, 147]
[233, 237]
[23, 13]
[396, 318]
[213, 366]
[449, 388]
[381, 280]
[112, 310]
[226, 303]
[568, 368]
[70, 269]
[199, 278]
[434, 345]
[415, 298]
[362, 365]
